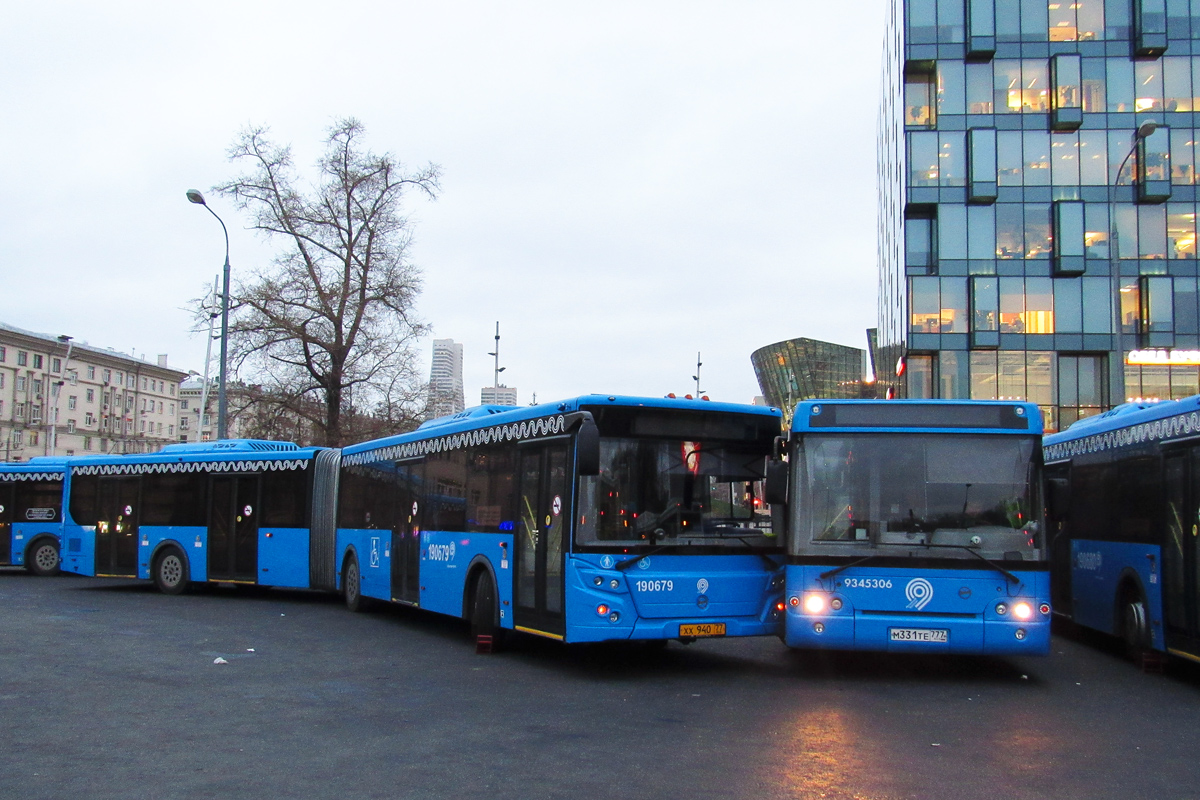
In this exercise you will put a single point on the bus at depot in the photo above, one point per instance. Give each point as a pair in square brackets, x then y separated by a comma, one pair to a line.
[231, 511]
[598, 518]
[1124, 502]
[915, 525]
[31, 513]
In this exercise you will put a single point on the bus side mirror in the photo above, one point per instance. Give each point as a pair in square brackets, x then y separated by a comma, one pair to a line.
[775, 491]
[1058, 497]
[587, 448]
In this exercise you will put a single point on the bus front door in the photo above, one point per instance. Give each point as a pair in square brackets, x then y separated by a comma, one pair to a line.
[233, 529]
[542, 521]
[117, 527]
[7, 502]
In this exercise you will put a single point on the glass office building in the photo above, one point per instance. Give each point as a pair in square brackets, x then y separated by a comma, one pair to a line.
[802, 369]
[1037, 237]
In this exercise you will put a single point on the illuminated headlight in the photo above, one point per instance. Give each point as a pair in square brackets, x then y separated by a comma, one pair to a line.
[814, 603]
[1001, 608]
[602, 610]
[1022, 610]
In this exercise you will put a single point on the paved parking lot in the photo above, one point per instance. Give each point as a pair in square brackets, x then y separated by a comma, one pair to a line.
[112, 690]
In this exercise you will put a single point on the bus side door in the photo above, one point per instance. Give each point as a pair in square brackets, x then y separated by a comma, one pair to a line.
[117, 527]
[1181, 559]
[7, 503]
[406, 533]
[233, 528]
[543, 514]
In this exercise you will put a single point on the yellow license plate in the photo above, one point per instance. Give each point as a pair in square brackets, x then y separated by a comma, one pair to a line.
[702, 629]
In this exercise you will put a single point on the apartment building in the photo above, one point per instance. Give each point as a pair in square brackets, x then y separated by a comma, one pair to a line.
[63, 397]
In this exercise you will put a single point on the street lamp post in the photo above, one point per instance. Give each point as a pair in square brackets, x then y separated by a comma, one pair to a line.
[696, 377]
[222, 404]
[1117, 383]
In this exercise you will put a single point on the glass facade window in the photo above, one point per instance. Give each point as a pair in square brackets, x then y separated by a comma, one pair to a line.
[1019, 185]
[1067, 97]
[919, 110]
[1070, 248]
[981, 146]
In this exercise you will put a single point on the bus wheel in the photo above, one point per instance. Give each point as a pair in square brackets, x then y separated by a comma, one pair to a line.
[42, 558]
[352, 585]
[1135, 631]
[485, 627]
[171, 571]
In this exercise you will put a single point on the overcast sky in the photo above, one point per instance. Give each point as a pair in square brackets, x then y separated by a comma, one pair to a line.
[625, 184]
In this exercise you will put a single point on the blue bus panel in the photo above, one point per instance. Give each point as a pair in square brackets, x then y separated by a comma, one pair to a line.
[494, 515]
[31, 514]
[916, 526]
[232, 511]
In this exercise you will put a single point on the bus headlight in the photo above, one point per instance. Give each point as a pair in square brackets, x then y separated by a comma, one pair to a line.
[814, 603]
[1022, 610]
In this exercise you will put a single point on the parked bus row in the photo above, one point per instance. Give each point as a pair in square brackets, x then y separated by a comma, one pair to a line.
[868, 525]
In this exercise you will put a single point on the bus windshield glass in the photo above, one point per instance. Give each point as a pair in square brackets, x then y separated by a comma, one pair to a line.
[905, 495]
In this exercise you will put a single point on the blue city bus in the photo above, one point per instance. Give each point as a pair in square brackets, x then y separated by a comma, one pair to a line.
[1124, 500]
[915, 525]
[233, 511]
[31, 513]
[597, 518]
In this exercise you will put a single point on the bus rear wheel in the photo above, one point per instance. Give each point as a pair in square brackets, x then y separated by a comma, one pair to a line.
[485, 618]
[42, 558]
[1135, 630]
[171, 571]
[352, 585]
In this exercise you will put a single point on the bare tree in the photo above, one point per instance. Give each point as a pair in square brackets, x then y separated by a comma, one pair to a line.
[328, 331]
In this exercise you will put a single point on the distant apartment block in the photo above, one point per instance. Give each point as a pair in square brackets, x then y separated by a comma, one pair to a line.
[498, 396]
[61, 397]
[446, 379]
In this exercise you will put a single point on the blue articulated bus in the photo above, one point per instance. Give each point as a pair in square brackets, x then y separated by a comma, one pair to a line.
[1124, 499]
[233, 511]
[31, 514]
[597, 518]
[916, 526]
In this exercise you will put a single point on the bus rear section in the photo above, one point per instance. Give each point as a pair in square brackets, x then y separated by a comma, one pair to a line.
[1124, 492]
[917, 526]
[595, 519]
[31, 514]
[234, 511]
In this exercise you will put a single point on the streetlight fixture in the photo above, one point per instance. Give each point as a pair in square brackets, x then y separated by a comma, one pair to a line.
[496, 355]
[222, 405]
[696, 377]
[1117, 383]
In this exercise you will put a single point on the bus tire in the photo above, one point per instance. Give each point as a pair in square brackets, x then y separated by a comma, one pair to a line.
[41, 558]
[485, 615]
[1135, 627]
[171, 573]
[352, 585]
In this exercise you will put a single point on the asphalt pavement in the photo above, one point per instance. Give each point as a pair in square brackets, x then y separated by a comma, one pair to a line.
[111, 690]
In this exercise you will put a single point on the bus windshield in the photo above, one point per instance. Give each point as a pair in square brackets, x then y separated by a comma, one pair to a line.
[905, 494]
[675, 493]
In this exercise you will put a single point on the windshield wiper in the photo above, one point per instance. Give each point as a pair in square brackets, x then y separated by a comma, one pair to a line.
[629, 562]
[985, 560]
[836, 570]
